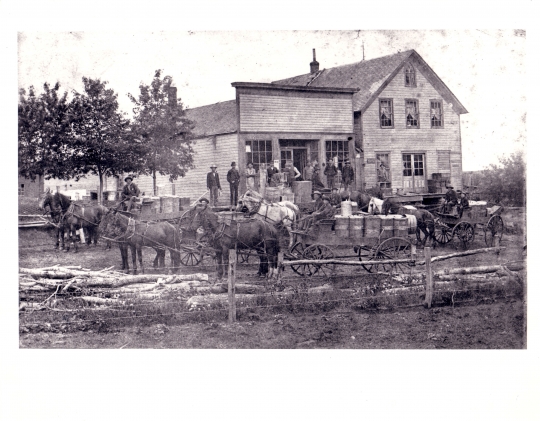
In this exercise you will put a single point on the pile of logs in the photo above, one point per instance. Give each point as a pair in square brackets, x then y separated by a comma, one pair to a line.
[58, 280]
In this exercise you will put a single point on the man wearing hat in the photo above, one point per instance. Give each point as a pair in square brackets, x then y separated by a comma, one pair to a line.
[212, 184]
[207, 212]
[326, 211]
[347, 175]
[450, 198]
[330, 171]
[317, 195]
[335, 198]
[130, 192]
[233, 177]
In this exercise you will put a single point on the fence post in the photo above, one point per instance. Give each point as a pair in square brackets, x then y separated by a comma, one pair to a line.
[429, 278]
[279, 265]
[232, 281]
[497, 243]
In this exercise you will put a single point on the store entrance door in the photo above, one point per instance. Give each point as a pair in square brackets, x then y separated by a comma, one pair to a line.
[298, 156]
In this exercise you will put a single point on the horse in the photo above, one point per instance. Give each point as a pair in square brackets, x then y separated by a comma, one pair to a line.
[120, 227]
[425, 222]
[362, 199]
[284, 212]
[383, 207]
[84, 217]
[246, 233]
[58, 205]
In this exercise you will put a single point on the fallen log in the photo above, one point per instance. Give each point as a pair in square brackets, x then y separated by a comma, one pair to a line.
[222, 300]
[242, 289]
[124, 280]
[98, 300]
[461, 254]
[479, 269]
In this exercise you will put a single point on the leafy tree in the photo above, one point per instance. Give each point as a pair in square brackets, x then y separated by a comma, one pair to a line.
[504, 183]
[101, 141]
[44, 125]
[159, 119]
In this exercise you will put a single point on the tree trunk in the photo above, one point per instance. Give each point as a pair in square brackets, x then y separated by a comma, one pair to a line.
[100, 189]
[154, 182]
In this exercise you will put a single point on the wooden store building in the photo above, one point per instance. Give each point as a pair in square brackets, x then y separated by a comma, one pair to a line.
[392, 117]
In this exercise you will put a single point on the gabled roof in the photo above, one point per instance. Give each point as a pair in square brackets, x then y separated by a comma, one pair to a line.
[371, 77]
[219, 118]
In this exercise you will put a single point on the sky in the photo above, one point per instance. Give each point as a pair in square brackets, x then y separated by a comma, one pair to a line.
[485, 69]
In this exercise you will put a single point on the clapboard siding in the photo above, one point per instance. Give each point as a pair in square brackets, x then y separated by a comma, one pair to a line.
[401, 139]
[259, 113]
[220, 149]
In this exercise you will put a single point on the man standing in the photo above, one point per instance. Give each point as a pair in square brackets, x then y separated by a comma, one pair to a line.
[330, 171]
[130, 192]
[233, 177]
[212, 184]
[250, 177]
[347, 175]
[271, 171]
[308, 172]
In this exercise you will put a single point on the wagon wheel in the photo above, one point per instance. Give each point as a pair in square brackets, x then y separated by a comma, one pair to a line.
[190, 252]
[392, 249]
[297, 251]
[318, 252]
[443, 233]
[365, 254]
[494, 228]
[463, 235]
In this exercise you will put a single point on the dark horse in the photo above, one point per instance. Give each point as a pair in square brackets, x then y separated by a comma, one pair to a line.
[84, 217]
[245, 233]
[58, 206]
[425, 222]
[120, 227]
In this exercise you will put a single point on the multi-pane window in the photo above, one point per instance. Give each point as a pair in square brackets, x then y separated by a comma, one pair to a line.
[258, 152]
[411, 113]
[21, 189]
[383, 170]
[413, 164]
[386, 110]
[337, 151]
[410, 77]
[436, 113]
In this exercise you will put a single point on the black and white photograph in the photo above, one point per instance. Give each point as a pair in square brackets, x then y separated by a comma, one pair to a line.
[290, 206]
[331, 197]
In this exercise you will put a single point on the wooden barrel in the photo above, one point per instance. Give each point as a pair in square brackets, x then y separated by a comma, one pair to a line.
[372, 226]
[411, 220]
[346, 208]
[156, 204]
[387, 226]
[401, 227]
[288, 196]
[342, 226]
[166, 204]
[302, 191]
[273, 194]
[357, 226]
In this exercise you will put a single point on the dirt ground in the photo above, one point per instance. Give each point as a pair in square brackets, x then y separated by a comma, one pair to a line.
[496, 324]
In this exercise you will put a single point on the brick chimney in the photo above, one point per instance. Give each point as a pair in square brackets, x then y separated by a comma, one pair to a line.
[314, 65]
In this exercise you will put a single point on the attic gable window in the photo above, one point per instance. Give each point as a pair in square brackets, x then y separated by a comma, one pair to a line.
[436, 113]
[411, 113]
[410, 76]
[386, 112]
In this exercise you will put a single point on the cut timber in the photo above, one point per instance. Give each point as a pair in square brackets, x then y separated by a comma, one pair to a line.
[242, 288]
[480, 269]
[221, 300]
[97, 300]
[119, 281]
[463, 253]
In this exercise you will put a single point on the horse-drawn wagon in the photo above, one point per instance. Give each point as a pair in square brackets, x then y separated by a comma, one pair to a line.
[372, 237]
[461, 226]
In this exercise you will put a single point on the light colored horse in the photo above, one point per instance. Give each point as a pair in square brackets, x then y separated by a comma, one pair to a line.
[375, 206]
[284, 212]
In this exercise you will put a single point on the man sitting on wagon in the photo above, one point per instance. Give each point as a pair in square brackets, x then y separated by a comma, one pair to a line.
[326, 211]
[130, 193]
[450, 200]
[462, 203]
